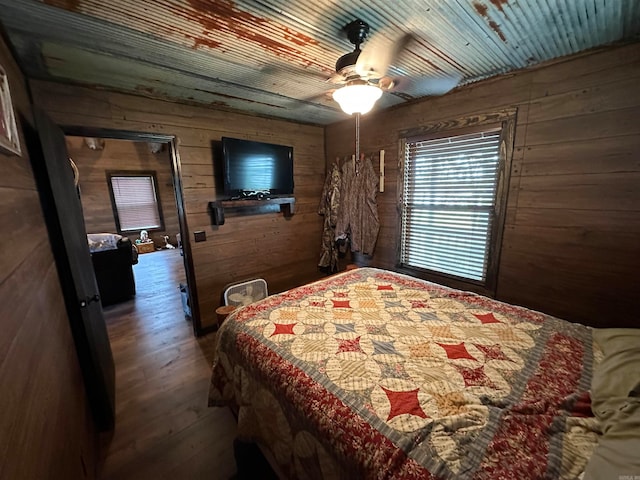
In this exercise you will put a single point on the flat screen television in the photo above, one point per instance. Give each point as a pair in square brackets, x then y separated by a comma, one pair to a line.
[256, 169]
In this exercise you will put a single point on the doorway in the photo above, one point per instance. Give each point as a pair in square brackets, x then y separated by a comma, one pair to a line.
[103, 156]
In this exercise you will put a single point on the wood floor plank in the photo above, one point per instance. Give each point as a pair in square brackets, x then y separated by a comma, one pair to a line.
[164, 428]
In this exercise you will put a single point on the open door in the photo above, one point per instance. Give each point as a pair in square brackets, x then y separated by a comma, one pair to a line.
[68, 237]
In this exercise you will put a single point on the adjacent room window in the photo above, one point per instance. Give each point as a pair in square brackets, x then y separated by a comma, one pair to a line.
[135, 201]
[452, 203]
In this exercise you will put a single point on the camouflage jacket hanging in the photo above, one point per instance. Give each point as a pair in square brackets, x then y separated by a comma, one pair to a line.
[329, 206]
[358, 215]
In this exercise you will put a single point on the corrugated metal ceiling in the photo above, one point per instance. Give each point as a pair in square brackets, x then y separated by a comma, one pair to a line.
[273, 57]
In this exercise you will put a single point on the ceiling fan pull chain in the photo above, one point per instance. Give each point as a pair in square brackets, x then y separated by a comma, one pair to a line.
[357, 158]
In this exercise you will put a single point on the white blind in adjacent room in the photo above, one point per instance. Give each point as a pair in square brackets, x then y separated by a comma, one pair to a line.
[449, 203]
[136, 202]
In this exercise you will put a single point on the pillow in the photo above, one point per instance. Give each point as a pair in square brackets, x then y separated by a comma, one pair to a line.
[617, 377]
[615, 396]
[616, 455]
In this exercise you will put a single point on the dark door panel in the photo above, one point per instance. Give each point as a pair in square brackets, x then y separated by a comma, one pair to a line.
[65, 222]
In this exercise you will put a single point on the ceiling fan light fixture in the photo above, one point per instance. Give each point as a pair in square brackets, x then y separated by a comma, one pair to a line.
[357, 98]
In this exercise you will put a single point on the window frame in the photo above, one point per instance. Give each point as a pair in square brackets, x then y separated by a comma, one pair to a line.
[505, 120]
[134, 173]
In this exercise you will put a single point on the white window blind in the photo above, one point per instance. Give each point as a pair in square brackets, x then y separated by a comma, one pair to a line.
[449, 203]
[136, 202]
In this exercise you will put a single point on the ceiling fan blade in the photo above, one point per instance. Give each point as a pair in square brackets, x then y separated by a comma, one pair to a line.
[323, 98]
[379, 53]
[426, 86]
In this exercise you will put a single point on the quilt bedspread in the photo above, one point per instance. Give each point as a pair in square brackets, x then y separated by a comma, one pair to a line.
[373, 374]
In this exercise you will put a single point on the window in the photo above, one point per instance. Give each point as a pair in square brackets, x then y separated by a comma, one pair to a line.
[134, 197]
[452, 208]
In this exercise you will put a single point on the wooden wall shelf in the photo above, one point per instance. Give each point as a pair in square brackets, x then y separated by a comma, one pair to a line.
[219, 209]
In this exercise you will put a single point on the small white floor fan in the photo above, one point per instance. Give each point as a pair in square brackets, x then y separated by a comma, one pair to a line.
[244, 293]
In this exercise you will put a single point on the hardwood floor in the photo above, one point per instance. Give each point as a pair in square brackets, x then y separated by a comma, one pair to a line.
[164, 428]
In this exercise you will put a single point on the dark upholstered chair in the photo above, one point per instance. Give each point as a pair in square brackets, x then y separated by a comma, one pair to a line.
[114, 272]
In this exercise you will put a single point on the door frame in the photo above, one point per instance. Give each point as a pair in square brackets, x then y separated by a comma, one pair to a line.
[176, 174]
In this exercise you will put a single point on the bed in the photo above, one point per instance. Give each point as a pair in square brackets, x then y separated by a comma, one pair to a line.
[374, 374]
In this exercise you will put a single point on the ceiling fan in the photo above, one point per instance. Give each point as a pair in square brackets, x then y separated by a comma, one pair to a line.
[364, 72]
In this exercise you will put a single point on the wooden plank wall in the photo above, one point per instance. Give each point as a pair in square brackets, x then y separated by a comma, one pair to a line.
[570, 245]
[45, 427]
[284, 251]
[122, 155]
